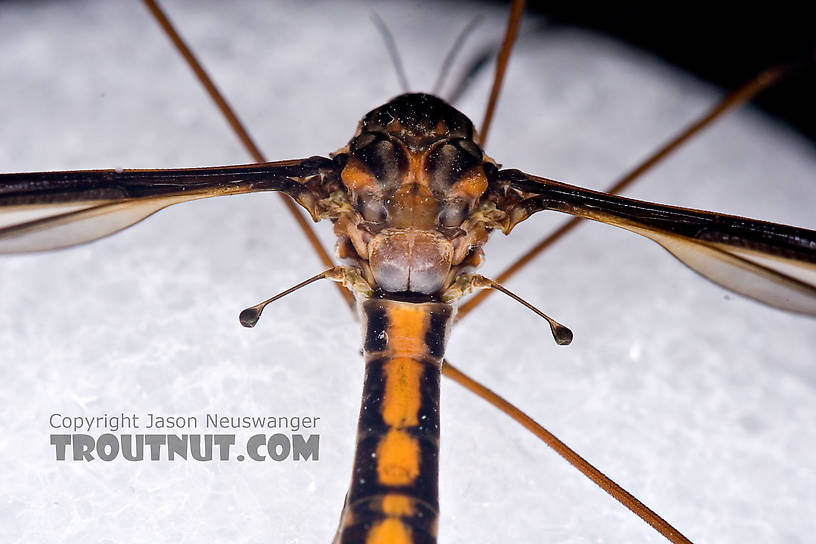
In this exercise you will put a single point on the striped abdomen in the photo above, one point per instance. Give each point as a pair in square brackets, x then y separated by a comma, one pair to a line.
[394, 488]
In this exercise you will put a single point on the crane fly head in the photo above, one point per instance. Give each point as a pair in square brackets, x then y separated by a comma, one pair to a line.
[414, 176]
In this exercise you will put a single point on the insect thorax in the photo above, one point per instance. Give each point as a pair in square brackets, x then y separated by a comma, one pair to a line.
[415, 179]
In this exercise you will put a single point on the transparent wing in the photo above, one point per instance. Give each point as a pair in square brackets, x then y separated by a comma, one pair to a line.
[774, 264]
[49, 210]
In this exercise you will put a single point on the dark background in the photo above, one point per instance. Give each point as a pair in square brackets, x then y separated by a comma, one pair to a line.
[727, 46]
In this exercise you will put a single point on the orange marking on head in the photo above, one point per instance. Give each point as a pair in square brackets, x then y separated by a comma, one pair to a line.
[356, 176]
[413, 205]
[389, 531]
[397, 459]
[398, 505]
[416, 168]
[473, 184]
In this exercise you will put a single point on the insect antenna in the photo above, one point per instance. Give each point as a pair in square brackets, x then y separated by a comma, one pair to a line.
[743, 94]
[561, 334]
[249, 317]
[474, 67]
[391, 45]
[444, 70]
[239, 130]
[349, 277]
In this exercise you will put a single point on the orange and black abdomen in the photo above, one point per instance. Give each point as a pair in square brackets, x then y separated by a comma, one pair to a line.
[394, 489]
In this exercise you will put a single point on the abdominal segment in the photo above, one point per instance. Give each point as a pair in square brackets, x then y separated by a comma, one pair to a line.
[393, 496]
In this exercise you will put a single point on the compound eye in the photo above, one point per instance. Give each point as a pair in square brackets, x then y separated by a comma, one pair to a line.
[371, 207]
[454, 213]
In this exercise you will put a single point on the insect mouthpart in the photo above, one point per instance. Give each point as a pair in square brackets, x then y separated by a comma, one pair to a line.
[407, 259]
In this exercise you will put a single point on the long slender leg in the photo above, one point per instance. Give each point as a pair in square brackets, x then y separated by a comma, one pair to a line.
[513, 23]
[604, 482]
[241, 132]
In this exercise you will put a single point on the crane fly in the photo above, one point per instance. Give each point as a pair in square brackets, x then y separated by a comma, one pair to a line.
[698, 405]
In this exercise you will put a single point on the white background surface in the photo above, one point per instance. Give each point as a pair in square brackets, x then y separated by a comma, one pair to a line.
[699, 402]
